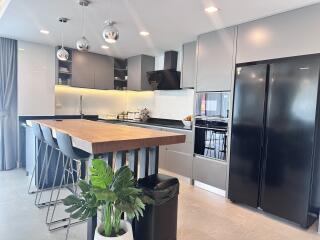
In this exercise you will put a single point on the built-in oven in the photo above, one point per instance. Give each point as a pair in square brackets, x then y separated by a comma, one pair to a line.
[211, 124]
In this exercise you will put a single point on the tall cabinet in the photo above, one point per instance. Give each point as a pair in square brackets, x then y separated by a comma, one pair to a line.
[216, 59]
[138, 66]
[189, 58]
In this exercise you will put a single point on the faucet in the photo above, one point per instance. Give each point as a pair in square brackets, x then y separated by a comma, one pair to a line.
[81, 107]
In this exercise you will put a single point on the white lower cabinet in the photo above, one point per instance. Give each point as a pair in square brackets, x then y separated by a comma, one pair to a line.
[177, 162]
[176, 158]
[210, 171]
[179, 157]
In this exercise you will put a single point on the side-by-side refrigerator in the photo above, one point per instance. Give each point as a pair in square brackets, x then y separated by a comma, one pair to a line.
[274, 161]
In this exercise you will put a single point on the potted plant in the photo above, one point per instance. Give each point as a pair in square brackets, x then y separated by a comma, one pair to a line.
[115, 194]
[144, 114]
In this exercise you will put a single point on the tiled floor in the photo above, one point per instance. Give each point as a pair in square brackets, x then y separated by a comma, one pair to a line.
[202, 216]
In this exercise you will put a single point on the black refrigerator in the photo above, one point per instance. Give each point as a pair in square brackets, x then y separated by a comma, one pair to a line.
[274, 159]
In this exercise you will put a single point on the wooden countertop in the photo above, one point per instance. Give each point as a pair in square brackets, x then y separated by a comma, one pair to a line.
[98, 137]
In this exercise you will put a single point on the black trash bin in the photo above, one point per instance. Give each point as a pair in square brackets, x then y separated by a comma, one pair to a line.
[160, 217]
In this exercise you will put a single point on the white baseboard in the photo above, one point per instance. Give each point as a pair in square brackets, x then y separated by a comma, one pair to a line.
[210, 188]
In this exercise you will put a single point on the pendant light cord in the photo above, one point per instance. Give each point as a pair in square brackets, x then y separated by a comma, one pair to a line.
[83, 21]
[108, 7]
[62, 34]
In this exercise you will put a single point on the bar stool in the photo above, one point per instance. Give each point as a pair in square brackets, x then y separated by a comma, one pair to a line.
[47, 134]
[73, 155]
[39, 137]
[48, 138]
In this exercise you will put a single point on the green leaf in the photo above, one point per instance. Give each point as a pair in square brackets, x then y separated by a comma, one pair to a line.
[122, 178]
[84, 186]
[101, 174]
[71, 200]
[78, 213]
[85, 214]
[104, 195]
[73, 208]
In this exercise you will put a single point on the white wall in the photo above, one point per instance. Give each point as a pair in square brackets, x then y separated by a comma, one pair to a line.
[36, 79]
[162, 104]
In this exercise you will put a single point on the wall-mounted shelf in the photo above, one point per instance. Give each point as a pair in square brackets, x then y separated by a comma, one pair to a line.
[120, 74]
[64, 69]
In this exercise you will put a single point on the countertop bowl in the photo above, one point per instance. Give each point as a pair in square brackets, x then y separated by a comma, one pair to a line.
[187, 123]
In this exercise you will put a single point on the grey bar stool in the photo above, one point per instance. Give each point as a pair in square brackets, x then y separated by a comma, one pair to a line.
[39, 137]
[50, 141]
[73, 156]
[47, 133]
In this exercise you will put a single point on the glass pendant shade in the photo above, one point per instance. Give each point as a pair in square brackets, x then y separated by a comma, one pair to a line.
[83, 44]
[110, 33]
[62, 54]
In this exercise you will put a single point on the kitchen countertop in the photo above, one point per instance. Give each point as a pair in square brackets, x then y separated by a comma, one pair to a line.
[98, 137]
[88, 117]
[157, 122]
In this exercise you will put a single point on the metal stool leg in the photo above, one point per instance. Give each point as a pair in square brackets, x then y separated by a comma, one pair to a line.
[56, 201]
[69, 170]
[34, 169]
[53, 185]
[78, 171]
[38, 200]
[41, 174]
[75, 192]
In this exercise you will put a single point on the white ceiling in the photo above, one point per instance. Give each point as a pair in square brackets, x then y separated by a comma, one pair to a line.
[170, 22]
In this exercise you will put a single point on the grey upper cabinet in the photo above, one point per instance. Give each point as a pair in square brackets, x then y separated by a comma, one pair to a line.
[287, 34]
[103, 72]
[91, 70]
[188, 65]
[138, 66]
[82, 70]
[216, 60]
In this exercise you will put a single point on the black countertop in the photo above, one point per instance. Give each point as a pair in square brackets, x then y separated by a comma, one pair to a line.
[88, 117]
[158, 122]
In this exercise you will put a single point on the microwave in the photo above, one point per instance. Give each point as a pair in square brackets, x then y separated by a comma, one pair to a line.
[213, 104]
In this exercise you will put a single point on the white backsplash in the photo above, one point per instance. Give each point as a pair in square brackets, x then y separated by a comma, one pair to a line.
[95, 102]
[174, 104]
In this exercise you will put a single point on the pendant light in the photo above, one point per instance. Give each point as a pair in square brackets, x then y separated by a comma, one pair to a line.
[110, 33]
[62, 54]
[83, 43]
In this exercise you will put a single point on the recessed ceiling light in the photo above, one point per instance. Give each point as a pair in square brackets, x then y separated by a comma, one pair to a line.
[43, 31]
[144, 33]
[21, 49]
[211, 9]
[104, 47]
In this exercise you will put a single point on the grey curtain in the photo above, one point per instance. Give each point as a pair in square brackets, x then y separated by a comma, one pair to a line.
[8, 104]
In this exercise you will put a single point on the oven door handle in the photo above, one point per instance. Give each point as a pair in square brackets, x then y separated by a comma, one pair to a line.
[208, 128]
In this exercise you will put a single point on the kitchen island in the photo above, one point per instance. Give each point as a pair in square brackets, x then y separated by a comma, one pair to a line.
[117, 144]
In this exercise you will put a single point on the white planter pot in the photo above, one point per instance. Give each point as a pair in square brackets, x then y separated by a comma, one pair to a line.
[125, 225]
